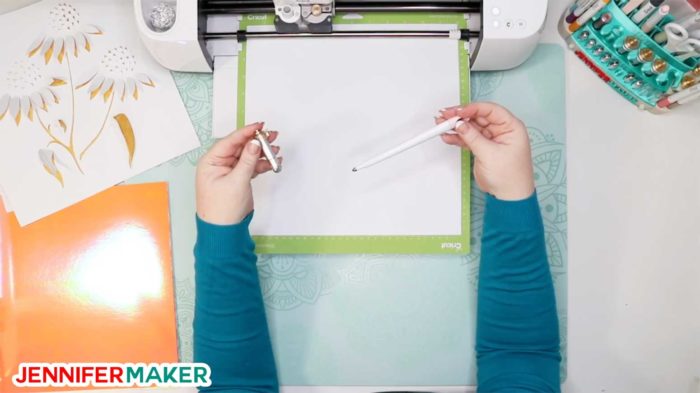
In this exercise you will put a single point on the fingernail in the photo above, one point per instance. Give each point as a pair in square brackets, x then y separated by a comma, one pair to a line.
[254, 147]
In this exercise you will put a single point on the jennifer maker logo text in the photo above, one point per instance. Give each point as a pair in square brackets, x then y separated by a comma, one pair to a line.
[112, 374]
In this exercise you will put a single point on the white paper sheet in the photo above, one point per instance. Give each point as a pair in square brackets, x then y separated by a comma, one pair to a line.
[337, 102]
[225, 95]
[40, 177]
[5, 202]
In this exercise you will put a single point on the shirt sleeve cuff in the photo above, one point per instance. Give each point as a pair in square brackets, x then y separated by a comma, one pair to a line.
[223, 241]
[513, 216]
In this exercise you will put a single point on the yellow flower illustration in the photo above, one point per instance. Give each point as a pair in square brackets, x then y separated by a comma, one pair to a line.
[26, 94]
[115, 77]
[48, 161]
[26, 90]
[67, 36]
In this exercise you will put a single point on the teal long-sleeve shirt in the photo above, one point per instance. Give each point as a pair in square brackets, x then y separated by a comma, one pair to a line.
[517, 340]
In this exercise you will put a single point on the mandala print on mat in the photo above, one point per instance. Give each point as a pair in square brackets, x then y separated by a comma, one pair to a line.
[471, 260]
[196, 92]
[564, 344]
[184, 296]
[364, 268]
[482, 85]
[549, 162]
[289, 281]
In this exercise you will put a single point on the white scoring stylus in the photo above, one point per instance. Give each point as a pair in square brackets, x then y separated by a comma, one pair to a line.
[442, 128]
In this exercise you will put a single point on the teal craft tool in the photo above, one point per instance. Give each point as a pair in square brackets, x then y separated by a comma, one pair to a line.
[629, 44]
[637, 47]
[687, 82]
[644, 55]
[658, 66]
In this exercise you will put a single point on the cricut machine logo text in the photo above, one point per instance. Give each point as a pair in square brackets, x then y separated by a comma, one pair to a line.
[112, 375]
[451, 246]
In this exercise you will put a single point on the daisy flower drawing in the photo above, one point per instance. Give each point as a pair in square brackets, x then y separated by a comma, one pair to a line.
[27, 97]
[66, 35]
[26, 91]
[115, 79]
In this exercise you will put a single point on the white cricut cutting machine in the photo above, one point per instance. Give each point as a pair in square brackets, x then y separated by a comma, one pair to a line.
[180, 34]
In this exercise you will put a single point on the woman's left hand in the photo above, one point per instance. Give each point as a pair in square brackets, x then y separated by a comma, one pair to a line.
[224, 194]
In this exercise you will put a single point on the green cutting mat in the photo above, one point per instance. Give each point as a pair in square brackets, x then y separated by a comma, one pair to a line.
[372, 244]
[384, 319]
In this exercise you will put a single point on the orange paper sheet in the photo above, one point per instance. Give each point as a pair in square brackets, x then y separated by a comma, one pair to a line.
[92, 283]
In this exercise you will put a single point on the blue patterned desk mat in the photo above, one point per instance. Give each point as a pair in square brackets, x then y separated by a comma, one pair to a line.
[383, 320]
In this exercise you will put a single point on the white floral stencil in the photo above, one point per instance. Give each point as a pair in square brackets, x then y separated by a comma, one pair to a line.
[83, 106]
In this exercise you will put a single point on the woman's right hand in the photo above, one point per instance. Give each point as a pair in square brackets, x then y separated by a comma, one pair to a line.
[501, 147]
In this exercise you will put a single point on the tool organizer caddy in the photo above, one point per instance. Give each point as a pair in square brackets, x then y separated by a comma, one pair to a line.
[600, 50]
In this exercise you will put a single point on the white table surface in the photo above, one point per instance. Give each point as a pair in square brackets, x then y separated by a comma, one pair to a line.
[634, 242]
